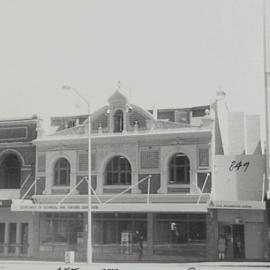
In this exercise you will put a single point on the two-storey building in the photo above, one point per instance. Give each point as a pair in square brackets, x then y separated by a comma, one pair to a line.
[172, 175]
[17, 173]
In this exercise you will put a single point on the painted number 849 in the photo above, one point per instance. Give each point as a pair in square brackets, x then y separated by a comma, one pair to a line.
[239, 166]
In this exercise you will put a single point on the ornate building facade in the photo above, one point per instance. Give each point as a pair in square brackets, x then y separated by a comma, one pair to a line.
[182, 179]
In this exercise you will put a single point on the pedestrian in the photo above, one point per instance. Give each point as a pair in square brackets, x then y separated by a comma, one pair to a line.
[221, 248]
[139, 238]
[238, 247]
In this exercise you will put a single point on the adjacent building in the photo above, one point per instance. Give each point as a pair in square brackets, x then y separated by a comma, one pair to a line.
[17, 173]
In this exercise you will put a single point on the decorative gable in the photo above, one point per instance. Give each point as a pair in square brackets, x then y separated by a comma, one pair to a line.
[117, 97]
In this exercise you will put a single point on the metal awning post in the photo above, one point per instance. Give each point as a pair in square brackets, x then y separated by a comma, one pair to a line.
[148, 188]
[94, 193]
[72, 190]
[26, 193]
[203, 187]
[125, 190]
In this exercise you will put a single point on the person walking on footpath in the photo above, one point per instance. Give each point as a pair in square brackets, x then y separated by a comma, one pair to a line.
[139, 239]
[221, 248]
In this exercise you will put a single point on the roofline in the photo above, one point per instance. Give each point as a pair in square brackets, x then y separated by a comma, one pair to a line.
[123, 135]
[186, 108]
[18, 120]
[67, 117]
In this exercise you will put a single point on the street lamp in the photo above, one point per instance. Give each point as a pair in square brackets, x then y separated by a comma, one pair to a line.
[89, 227]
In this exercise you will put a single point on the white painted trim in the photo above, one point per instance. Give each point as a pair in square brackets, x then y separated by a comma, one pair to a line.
[51, 159]
[15, 152]
[166, 152]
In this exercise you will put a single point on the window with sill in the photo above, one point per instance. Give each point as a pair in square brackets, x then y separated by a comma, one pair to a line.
[118, 171]
[179, 168]
[62, 172]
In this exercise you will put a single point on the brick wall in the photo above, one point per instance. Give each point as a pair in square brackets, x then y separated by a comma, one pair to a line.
[154, 183]
[83, 187]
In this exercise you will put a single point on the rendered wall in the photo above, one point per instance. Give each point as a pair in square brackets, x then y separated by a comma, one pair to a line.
[239, 177]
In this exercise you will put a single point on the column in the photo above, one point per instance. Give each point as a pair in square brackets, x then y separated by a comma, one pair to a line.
[6, 238]
[266, 235]
[48, 183]
[34, 236]
[134, 180]
[211, 235]
[150, 234]
[18, 239]
[99, 188]
[163, 181]
[73, 182]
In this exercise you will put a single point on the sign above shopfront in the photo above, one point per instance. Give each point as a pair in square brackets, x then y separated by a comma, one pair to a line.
[249, 205]
[29, 206]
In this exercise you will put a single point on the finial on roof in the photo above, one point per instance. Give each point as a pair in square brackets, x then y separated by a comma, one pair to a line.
[118, 95]
[119, 85]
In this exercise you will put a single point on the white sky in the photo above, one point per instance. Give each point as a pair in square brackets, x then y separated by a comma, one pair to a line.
[172, 53]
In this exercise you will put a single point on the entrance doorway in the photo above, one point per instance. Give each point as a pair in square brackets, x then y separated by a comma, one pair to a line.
[238, 241]
[235, 240]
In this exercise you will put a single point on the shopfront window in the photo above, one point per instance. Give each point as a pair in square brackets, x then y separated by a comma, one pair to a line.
[180, 234]
[60, 232]
[110, 230]
[179, 168]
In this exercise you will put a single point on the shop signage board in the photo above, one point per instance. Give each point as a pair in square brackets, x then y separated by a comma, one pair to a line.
[248, 205]
[110, 207]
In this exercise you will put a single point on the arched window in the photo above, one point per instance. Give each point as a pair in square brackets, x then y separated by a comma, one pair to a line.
[62, 172]
[118, 171]
[118, 121]
[179, 169]
[11, 170]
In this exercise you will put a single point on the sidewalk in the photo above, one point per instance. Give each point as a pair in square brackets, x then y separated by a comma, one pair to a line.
[48, 265]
